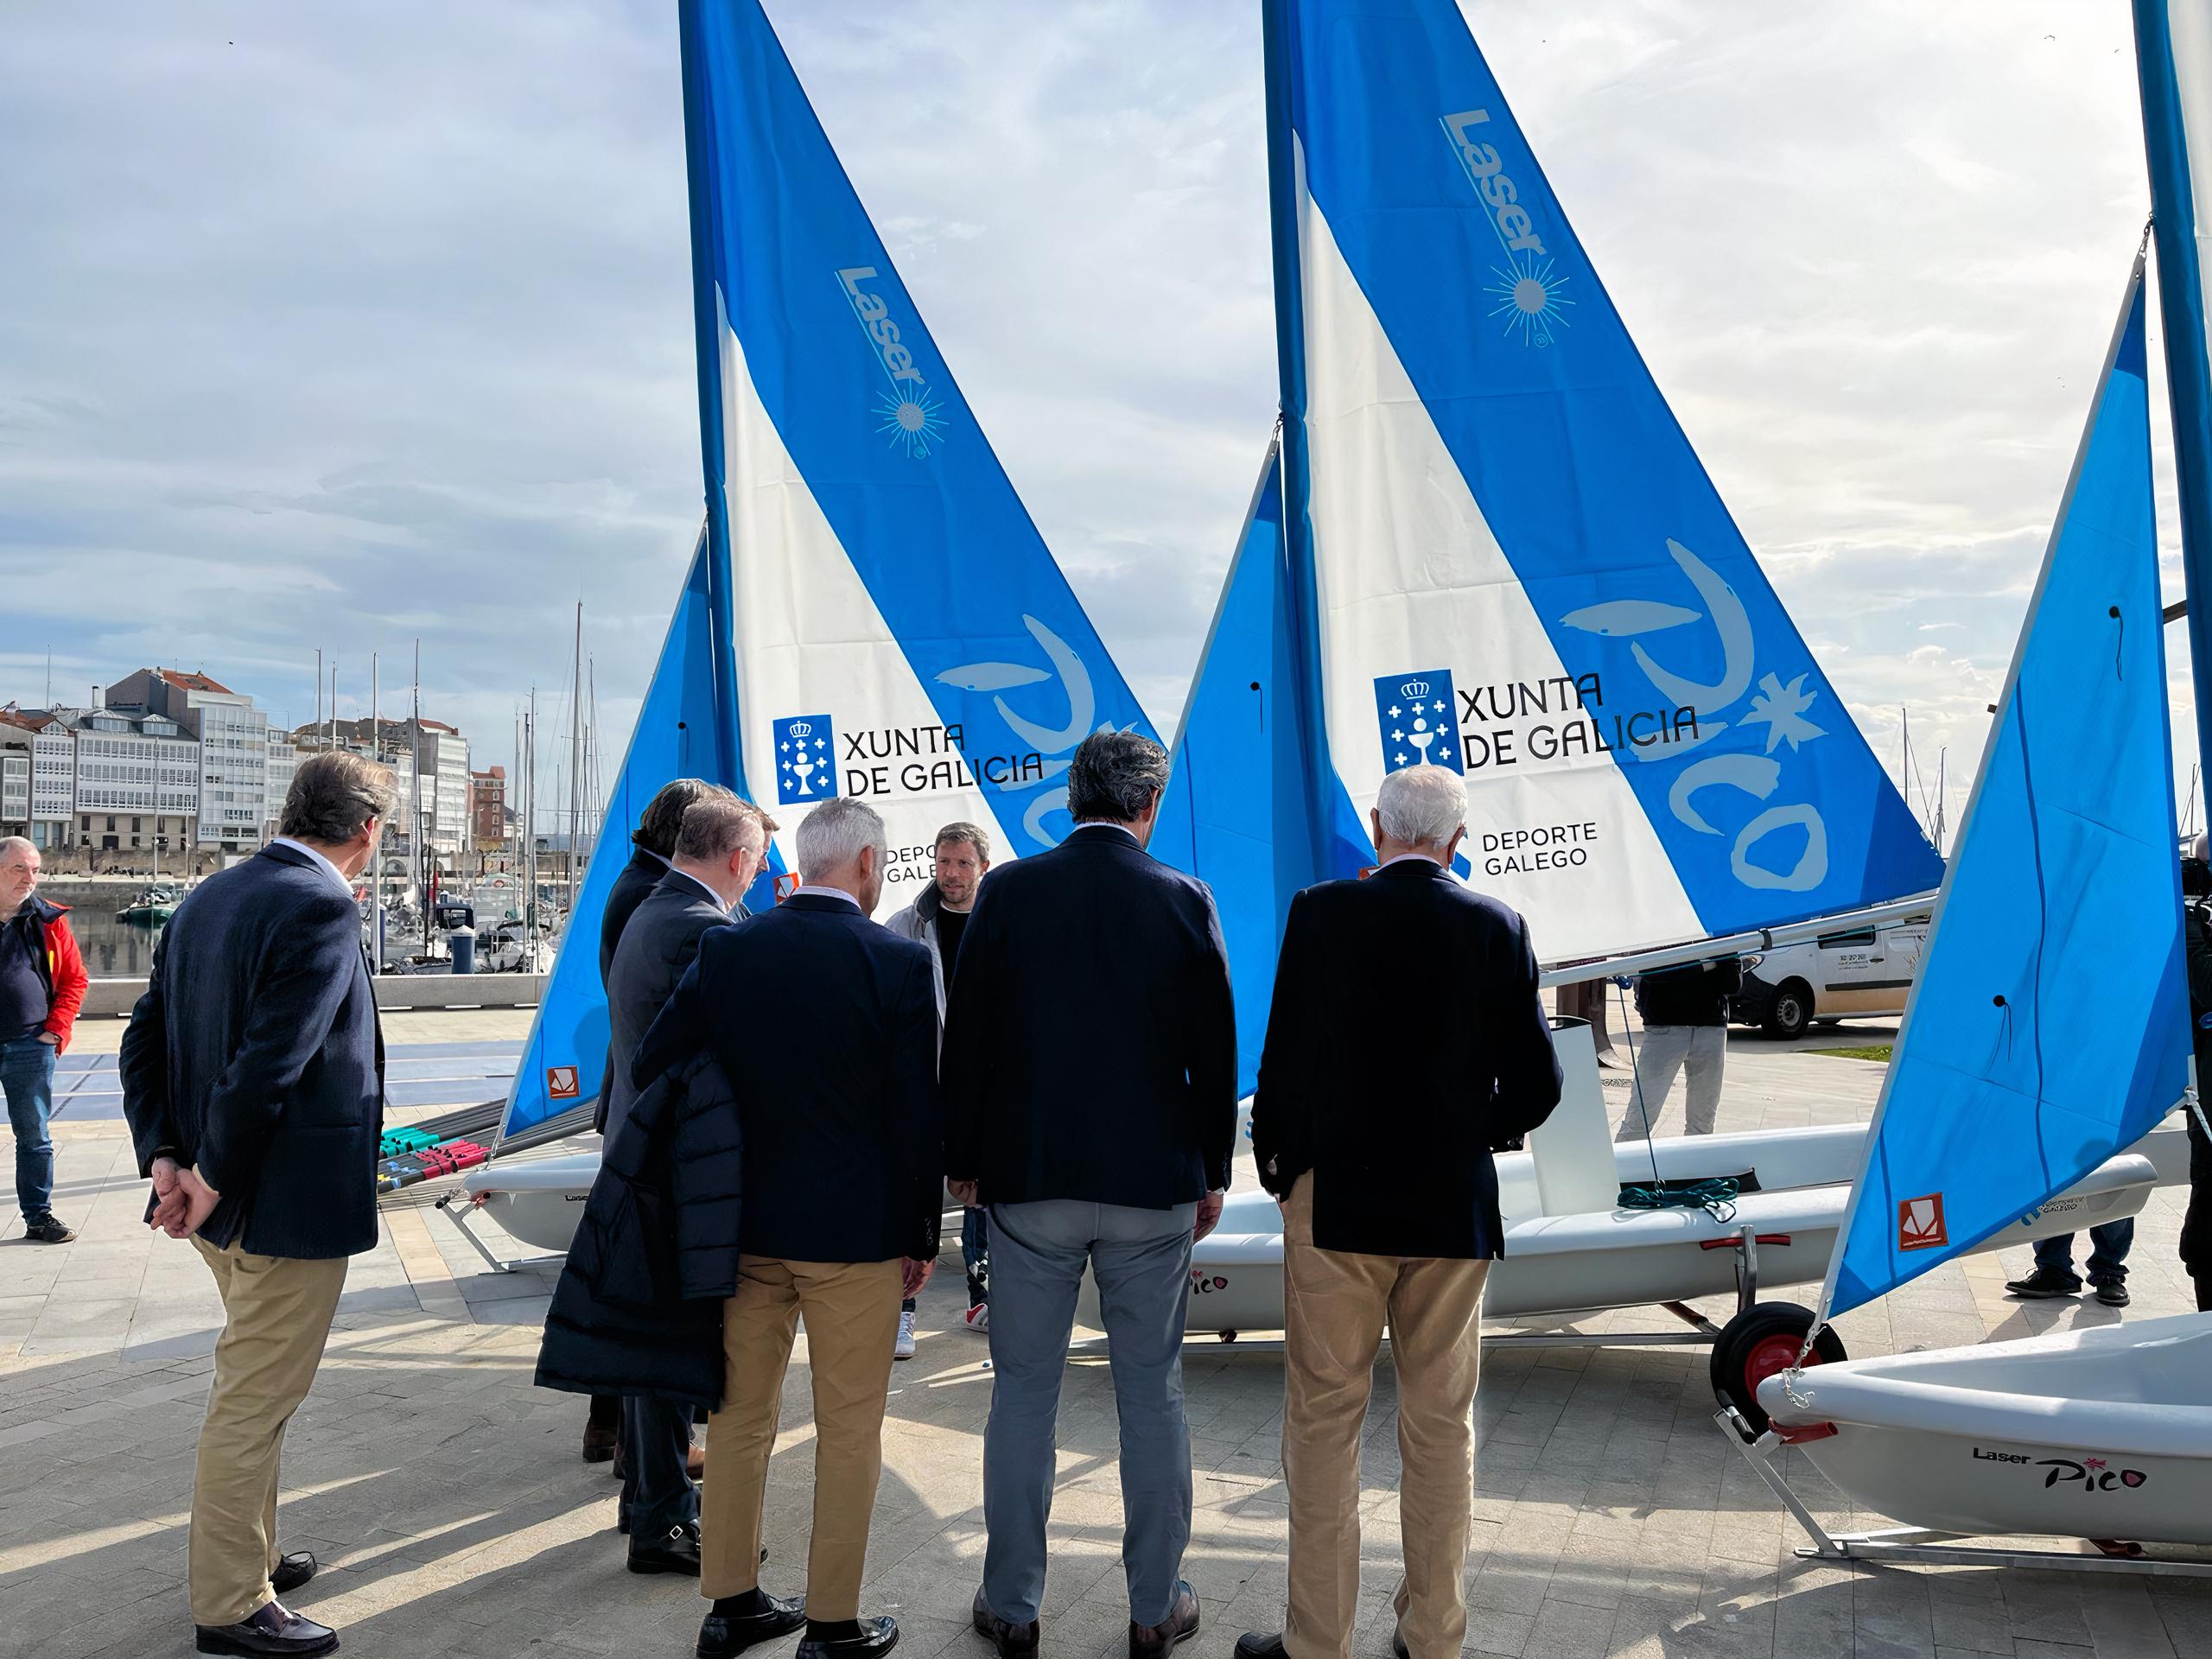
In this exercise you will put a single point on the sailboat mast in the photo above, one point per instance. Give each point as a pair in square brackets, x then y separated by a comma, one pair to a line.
[575, 749]
[416, 837]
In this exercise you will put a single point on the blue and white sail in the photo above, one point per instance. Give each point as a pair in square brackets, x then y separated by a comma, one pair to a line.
[2049, 1027]
[902, 632]
[1504, 556]
[1235, 749]
[895, 628]
[686, 727]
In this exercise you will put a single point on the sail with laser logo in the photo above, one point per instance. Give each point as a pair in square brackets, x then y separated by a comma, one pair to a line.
[2048, 1027]
[1504, 557]
[896, 630]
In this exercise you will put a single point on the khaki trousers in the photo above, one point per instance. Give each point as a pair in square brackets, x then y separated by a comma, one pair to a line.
[1336, 1305]
[851, 1310]
[276, 1314]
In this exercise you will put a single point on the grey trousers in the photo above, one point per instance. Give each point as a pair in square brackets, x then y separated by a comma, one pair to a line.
[1142, 1262]
[1701, 1051]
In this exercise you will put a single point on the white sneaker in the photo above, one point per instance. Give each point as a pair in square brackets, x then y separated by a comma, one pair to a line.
[903, 1348]
[979, 1318]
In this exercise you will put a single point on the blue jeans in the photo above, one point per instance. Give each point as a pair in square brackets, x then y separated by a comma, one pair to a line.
[1141, 1261]
[27, 1078]
[2107, 1257]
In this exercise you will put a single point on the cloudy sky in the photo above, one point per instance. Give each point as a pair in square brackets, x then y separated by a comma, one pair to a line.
[332, 327]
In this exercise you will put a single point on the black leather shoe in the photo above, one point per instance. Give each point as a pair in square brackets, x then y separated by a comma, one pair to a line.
[598, 1444]
[1398, 1644]
[735, 1623]
[849, 1638]
[270, 1628]
[676, 1550]
[1152, 1640]
[1012, 1641]
[292, 1571]
[2113, 1293]
[1255, 1644]
[2043, 1285]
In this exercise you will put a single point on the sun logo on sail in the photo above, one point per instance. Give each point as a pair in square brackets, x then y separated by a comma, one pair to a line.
[1530, 300]
[915, 420]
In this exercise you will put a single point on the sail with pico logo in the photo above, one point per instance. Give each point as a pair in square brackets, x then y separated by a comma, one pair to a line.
[1503, 556]
[2061, 910]
[889, 624]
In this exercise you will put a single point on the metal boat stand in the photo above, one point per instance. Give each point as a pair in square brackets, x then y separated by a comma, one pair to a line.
[459, 1214]
[1919, 1544]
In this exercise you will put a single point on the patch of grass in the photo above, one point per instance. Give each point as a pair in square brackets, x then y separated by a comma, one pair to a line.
[1876, 1051]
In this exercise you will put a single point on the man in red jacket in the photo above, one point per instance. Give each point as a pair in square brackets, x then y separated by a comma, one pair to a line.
[41, 988]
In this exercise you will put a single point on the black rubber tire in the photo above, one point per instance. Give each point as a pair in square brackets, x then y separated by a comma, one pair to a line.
[1791, 1010]
[1755, 1333]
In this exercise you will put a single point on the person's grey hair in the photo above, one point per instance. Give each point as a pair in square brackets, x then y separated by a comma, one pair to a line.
[715, 825]
[1113, 776]
[11, 845]
[831, 836]
[662, 821]
[2199, 849]
[333, 795]
[1422, 805]
[973, 834]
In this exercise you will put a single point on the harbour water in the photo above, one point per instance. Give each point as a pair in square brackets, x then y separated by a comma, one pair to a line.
[114, 949]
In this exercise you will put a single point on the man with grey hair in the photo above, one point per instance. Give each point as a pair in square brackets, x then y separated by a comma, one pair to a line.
[825, 1025]
[1091, 1096]
[939, 918]
[1405, 1042]
[715, 854]
[42, 983]
[253, 1083]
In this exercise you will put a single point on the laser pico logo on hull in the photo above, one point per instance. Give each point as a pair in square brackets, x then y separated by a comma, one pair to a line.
[1529, 286]
[806, 759]
[913, 415]
[1414, 715]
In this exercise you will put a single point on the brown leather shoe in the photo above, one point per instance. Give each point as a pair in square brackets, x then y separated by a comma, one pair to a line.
[598, 1444]
[1012, 1641]
[1154, 1641]
[696, 1464]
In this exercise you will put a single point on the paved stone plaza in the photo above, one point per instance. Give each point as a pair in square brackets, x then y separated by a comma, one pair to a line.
[446, 1499]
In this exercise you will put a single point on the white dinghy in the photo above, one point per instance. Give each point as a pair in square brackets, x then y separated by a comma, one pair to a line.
[2060, 915]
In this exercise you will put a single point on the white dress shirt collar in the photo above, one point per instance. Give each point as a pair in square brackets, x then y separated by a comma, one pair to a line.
[714, 897]
[337, 875]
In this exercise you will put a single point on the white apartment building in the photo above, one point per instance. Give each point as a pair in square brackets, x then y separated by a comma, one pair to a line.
[51, 747]
[137, 781]
[233, 748]
[15, 783]
[283, 761]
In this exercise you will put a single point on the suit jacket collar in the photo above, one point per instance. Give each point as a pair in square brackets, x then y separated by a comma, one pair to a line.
[304, 859]
[1409, 869]
[813, 905]
[689, 887]
[1103, 834]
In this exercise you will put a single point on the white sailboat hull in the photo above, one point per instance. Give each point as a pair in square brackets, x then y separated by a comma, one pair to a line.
[1555, 1265]
[2099, 1433]
[1596, 1260]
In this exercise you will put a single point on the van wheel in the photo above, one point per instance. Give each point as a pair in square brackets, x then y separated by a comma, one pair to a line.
[1791, 1009]
[1762, 1342]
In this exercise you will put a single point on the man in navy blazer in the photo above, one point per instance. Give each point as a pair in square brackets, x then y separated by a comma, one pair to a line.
[1406, 1040]
[253, 1084]
[716, 854]
[825, 1025]
[1090, 1095]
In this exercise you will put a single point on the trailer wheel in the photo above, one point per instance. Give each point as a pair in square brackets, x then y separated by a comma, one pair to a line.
[1761, 1342]
[1791, 1009]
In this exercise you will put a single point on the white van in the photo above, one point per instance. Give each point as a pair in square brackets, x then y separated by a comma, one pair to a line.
[1867, 972]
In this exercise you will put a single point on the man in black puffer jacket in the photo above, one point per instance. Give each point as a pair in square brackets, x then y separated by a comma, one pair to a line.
[2197, 939]
[639, 1308]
